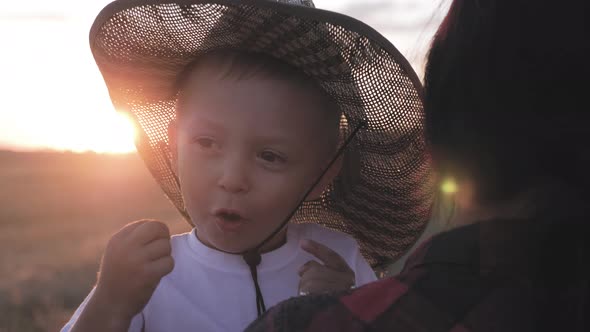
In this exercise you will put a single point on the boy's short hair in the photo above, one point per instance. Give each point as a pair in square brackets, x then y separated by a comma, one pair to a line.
[240, 65]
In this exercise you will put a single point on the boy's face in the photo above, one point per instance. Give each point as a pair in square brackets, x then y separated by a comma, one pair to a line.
[247, 150]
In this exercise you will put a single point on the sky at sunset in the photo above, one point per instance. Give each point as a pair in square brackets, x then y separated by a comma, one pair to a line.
[52, 95]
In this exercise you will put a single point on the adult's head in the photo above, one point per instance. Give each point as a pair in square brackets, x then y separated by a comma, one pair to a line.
[505, 99]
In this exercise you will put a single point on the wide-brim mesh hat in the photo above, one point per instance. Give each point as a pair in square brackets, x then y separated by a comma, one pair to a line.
[383, 194]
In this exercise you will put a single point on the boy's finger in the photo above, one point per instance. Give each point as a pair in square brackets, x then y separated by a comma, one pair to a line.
[322, 273]
[150, 231]
[320, 285]
[327, 274]
[157, 249]
[328, 256]
[161, 267]
[307, 266]
[130, 227]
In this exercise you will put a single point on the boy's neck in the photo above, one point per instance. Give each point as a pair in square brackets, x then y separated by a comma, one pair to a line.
[276, 242]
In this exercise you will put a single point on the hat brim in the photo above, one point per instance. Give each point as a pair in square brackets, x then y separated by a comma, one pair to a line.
[141, 47]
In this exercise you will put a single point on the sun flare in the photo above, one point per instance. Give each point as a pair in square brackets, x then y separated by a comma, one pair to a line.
[105, 132]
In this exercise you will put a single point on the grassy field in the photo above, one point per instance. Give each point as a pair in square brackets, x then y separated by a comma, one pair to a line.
[57, 212]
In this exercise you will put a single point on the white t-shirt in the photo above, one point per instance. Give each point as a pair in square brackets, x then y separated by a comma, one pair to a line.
[212, 291]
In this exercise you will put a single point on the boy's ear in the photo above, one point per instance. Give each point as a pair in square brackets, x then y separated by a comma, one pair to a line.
[173, 145]
[317, 191]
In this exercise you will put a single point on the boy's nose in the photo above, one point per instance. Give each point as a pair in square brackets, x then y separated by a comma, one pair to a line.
[233, 178]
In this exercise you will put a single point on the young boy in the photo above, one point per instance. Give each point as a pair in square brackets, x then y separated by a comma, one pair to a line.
[248, 136]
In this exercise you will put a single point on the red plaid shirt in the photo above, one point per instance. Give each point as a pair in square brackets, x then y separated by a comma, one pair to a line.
[473, 278]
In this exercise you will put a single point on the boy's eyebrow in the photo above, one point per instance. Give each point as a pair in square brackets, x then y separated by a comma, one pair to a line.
[278, 138]
[205, 122]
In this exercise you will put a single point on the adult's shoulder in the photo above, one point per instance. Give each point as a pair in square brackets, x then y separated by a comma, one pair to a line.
[488, 244]
[458, 246]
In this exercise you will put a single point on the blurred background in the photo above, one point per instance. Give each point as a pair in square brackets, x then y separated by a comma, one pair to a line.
[69, 175]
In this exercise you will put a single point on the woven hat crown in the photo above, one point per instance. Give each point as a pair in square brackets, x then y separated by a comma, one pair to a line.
[306, 3]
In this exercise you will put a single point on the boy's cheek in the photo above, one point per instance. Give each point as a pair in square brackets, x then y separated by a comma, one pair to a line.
[196, 174]
[277, 204]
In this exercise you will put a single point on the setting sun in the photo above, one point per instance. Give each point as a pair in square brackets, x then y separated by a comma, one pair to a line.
[60, 101]
[107, 132]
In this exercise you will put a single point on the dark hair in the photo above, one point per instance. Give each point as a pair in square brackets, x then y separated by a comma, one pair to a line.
[504, 95]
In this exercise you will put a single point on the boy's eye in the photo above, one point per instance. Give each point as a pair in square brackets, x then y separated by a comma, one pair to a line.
[271, 157]
[205, 142]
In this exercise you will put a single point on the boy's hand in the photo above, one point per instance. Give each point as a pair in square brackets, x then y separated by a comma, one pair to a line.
[135, 260]
[333, 275]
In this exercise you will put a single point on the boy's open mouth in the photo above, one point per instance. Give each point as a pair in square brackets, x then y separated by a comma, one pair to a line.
[229, 216]
[228, 220]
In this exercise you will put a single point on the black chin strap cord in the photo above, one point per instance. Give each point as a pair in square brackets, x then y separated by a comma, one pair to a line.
[252, 257]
